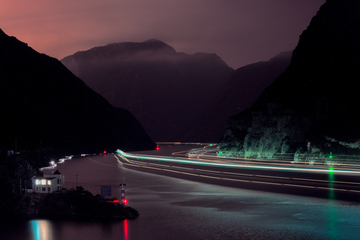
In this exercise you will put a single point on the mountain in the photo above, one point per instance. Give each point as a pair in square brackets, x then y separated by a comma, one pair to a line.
[243, 88]
[313, 107]
[44, 106]
[163, 88]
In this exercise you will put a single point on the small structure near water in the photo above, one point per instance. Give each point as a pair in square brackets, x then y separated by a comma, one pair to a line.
[123, 199]
[48, 183]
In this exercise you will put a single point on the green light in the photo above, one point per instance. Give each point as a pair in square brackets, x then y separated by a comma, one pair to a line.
[210, 144]
[331, 169]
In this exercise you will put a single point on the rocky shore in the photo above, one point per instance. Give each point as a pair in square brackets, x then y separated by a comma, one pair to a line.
[76, 204]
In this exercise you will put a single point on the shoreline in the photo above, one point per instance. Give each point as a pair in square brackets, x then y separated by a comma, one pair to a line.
[73, 204]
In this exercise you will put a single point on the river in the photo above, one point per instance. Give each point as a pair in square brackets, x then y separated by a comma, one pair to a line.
[172, 208]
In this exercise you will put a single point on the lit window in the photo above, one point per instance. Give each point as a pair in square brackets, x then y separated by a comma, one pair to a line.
[49, 182]
[37, 182]
[43, 182]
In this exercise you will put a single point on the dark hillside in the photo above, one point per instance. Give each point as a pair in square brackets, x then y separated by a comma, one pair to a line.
[44, 106]
[316, 100]
[239, 93]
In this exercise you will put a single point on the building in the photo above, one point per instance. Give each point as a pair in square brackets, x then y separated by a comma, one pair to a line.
[48, 183]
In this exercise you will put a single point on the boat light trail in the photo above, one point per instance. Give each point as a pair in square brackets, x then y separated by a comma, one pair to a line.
[218, 164]
[161, 168]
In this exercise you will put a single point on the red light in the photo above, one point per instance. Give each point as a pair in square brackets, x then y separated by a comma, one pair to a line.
[125, 201]
[157, 147]
[126, 229]
[104, 152]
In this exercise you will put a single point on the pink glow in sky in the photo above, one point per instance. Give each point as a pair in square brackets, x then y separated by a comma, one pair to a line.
[239, 31]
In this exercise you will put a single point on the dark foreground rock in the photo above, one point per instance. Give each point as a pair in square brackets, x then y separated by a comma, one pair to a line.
[72, 204]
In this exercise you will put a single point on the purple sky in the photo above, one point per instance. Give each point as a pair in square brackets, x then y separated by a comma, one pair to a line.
[239, 31]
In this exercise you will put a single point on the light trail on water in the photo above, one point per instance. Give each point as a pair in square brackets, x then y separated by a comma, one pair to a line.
[328, 185]
[234, 165]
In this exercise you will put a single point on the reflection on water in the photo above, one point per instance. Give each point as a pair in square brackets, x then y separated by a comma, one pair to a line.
[331, 183]
[125, 229]
[331, 215]
[41, 230]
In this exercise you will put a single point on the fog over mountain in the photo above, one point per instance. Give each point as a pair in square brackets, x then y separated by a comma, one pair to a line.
[164, 89]
[46, 107]
[313, 107]
[176, 96]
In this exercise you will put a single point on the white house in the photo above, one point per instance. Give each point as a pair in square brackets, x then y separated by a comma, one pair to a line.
[48, 183]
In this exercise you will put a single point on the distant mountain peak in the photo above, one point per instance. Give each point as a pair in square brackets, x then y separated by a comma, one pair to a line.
[154, 40]
[153, 81]
[126, 50]
[155, 44]
[151, 43]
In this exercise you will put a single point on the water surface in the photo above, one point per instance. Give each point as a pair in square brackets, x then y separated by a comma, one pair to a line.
[177, 209]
